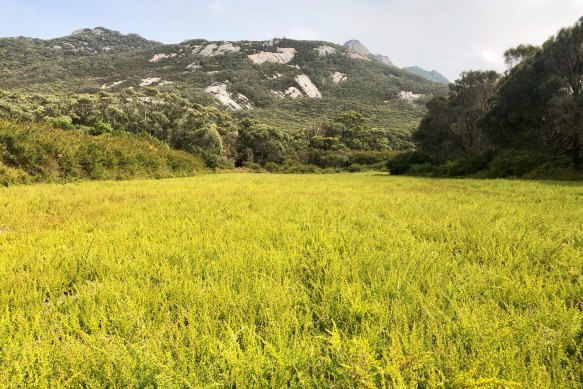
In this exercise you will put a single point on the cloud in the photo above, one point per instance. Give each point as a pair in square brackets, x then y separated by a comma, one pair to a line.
[492, 57]
[217, 7]
[306, 33]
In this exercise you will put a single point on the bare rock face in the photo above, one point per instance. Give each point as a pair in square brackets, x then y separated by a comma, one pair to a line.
[338, 77]
[280, 95]
[324, 50]
[308, 86]
[410, 97]
[283, 56]
[150, 81]
[233, 101]
[382, 58]
[293, 92]
[208, 50]
[357, 47]
[362, 52]
[112, 85]
[160, 57]
[355, 55]
[225, 48]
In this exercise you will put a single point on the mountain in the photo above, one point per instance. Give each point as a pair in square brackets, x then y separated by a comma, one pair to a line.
[429, 75]
[358, 48]
[286, 82]
[23, 51]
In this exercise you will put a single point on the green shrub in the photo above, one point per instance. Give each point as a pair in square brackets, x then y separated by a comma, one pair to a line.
[101, 128]
[467, 165]
[34, 152]
[512, 163]
[254, 166]
[328, 159]
[370, 157]
[62, 122]
[401, 163]
[356, 167]
[298, 168]
[272, 167]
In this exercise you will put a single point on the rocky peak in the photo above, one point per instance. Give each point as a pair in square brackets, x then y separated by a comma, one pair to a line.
[99, 31]
[382, 58]
[357, 47]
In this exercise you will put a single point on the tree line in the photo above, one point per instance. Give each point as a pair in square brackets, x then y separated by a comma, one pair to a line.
[529, 118]
[222, 139]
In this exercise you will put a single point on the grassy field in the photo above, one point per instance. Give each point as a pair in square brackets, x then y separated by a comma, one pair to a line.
[242, 280]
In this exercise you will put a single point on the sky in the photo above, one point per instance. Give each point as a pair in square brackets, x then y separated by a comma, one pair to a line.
[449, 36]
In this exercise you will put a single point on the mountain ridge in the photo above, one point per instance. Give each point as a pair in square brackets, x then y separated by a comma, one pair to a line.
[432, 75]
[357, 47]
[278, 78]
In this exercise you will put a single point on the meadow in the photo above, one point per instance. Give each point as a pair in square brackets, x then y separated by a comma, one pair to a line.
[259, 280]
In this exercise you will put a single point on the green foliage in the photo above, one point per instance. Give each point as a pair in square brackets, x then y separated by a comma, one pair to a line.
[535, 109]
[260, 143]
[37, 153]
[451, 128]
[83, 65]
[205, 131]
[402, 163]
[540, 103]
[513, 163]
[101, 128]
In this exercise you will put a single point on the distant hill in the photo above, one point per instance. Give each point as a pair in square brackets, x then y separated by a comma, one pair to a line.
[289, 82]
[429, 75]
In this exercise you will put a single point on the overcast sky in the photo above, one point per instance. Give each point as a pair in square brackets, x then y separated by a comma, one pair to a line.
[447, 35]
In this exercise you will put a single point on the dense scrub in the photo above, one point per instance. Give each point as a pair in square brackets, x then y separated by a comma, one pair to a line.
[528, 121]
[33, 153]
[218, 137]
[363, 281]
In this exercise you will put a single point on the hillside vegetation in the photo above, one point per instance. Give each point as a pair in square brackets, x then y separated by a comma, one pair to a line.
[100, 60]
[221, 139]
[35, 153]
[363, 281]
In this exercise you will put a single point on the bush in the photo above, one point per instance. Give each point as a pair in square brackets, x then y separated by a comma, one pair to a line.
[254, 166]
[467, 165]
[291, 168]
[328, 159]
[9, 176]
[401, 163]
[35, 153]
[512, 163]
[272, 167]
[62, 122]
[101, 128]
[370, 157]
[356, 167]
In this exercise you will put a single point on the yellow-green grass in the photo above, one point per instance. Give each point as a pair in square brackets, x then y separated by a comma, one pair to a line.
[305, 281]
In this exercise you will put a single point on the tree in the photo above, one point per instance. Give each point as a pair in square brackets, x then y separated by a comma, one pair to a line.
[564, 56]
[467, 103]
[260, 143]
[434, 136]
[539, 103]
[451, 128]
[516, 55]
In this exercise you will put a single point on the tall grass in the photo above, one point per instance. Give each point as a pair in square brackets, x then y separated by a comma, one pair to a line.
[303, 281]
